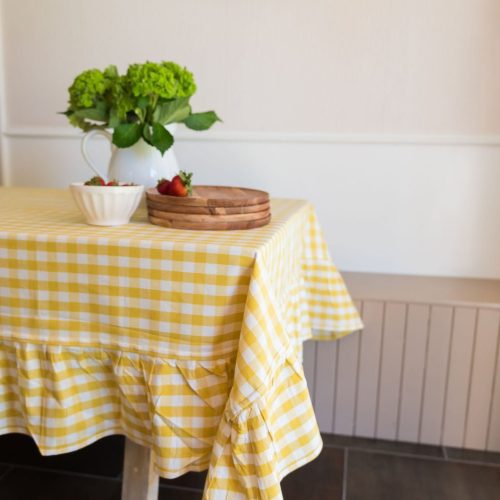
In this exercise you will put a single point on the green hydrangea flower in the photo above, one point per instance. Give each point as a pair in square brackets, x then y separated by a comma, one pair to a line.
[137, 105]
[88, 87]
[166, 80]
[121, 97]
[186, 86]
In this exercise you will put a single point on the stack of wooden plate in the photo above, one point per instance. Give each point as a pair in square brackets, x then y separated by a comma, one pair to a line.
[210, 207]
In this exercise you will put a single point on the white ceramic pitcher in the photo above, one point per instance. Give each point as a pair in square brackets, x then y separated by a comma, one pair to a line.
[140, 163]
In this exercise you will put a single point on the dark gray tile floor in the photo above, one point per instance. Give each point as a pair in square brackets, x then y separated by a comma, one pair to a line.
[30, 484]
[322, 478]
[379, 477]
[347, 469]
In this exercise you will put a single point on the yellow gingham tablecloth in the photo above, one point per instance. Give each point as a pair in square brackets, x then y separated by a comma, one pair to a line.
[188, 342]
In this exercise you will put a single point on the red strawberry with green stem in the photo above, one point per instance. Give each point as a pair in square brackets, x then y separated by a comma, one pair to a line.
[180, 185]
[162, 186]
[96, 181]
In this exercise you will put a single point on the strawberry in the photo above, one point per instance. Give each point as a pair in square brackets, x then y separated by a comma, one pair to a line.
[96, 181]
[162, 186]
[113, 183]
[180, 185]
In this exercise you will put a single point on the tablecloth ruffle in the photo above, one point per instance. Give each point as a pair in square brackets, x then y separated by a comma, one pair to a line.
[257, 447]
[67, 398]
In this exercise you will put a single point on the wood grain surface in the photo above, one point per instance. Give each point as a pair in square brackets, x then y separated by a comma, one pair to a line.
[213, 196]
[207, 218]
[172, 206]
[213, 225]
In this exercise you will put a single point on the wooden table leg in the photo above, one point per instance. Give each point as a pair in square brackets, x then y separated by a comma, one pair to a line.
[140, 481]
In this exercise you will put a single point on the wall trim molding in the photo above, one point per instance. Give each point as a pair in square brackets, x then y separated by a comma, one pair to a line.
[41, 132]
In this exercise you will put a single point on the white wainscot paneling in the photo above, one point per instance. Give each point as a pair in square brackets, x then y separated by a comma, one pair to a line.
[477, 423]
[423, 373]
[324, 390]
[390, 370]
[414, 363]
[346, 383]
[435, 375]
[493, 436]
[459, 372]
[369, 368]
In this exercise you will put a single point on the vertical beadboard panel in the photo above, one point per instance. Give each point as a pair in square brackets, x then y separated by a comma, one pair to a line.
[413, 372]
[481, 384]
[435, 376]
[345, 400]
[418, 373]
[493, 435]
[326, 357]
[309, 362]
[390, 370]
[369, 361]
[347, 381]
[459, 376]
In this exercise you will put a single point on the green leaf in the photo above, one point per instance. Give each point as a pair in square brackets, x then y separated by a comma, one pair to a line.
[79, 122]
[141, 107]
[127, 134]
[91, 114]
[114, 118]
[147, 134]
[143, 102]
[173, 111]
[161, 138]
[99, 113]
[201, 121]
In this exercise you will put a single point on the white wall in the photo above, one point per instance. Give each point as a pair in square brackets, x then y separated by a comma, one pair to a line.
[385, 114]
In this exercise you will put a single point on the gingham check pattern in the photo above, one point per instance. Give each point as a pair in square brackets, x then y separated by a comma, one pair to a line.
[184, 341]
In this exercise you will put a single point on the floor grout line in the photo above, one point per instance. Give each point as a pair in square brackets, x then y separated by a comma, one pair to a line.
[116, 479]
[6, 472]
[183, 488]
[61, 471]
[344, 474]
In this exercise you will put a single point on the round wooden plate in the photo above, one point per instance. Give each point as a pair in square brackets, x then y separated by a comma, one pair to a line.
[212, 196]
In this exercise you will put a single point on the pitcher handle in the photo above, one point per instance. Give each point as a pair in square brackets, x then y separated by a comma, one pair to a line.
[85, 153]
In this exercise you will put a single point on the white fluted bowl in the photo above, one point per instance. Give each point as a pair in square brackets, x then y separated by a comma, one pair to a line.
[106, 205]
